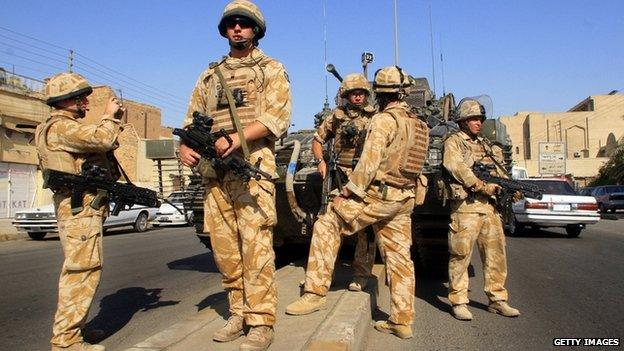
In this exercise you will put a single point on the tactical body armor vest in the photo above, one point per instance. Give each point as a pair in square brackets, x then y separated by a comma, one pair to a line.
[407, 152]
[57, 160]
[64, 161]
[247, 92]
[350, 135]
[474, 151]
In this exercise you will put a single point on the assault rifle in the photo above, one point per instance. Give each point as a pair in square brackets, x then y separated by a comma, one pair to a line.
[199, 137]
[330, 161]
[508, 186]
[93, 179]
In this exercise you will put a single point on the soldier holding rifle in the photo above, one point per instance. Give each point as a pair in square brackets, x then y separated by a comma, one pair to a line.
[65, 144]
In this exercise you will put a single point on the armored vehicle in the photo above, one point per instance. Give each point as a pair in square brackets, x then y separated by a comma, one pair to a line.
[299, 187]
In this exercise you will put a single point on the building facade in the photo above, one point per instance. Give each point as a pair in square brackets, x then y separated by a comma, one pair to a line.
[22, 108]
[585, 136]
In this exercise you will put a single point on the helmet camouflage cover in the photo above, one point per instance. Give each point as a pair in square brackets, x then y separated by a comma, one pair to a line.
[66, 86]
[244, 8]
[353, 82]
[391, 79]
[469, 108]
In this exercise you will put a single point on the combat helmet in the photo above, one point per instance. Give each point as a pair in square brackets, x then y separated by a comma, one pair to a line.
[391, 79]
[353, 82]
[247, 9]
[469, 108]
[66, 86]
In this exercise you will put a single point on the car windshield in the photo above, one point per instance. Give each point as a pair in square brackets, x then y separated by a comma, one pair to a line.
[555, 187]
[614, 189]
[176, 197]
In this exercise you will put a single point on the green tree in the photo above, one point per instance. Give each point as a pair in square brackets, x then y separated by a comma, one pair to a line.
[612, 172]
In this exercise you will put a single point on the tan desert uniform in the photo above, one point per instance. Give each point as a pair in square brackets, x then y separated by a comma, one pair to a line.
[348, 152]
[386, 207]
[240, 216]
[473, 218]
[64, 144]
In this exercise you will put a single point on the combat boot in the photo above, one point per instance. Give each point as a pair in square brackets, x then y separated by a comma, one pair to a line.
[402, 331]
[306, 304]
[258, 339]
[230, 331]
[461, 312]
[79, 346]
[358, 283]
[503, 308]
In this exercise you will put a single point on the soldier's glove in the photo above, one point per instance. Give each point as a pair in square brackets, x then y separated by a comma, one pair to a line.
[517, 196]
[488, 189]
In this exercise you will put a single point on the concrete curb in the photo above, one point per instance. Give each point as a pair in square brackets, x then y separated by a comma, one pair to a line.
[346, 325]
[342, 327]
[12, 236]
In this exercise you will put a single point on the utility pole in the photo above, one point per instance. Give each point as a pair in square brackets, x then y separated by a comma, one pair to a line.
[396, 35]
[432, 56]
[70, 61]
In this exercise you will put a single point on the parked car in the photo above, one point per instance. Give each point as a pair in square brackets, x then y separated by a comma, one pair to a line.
[38, 222]
[609, 197]
[560, 206]
[586, 191]
[172, 211]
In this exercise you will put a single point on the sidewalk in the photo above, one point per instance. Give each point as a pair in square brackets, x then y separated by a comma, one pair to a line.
[8, 231]
[343, 325]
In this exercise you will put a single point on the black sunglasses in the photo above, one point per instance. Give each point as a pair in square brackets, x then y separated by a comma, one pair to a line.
[243, 22]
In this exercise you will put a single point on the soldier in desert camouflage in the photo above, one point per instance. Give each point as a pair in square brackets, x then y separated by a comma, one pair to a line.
[346, 128]
[474, 216]
[239, 215]
[380, 193]
[65, 144]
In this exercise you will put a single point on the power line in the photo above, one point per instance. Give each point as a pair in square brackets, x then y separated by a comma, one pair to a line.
[156, 90]
[121, 80]
[35, 39]
[32, 46]
[32, 53]
[139, 92]
[128, 77]
[35, 61]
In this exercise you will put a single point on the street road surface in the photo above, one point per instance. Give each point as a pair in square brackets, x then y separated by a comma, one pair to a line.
[563, 287]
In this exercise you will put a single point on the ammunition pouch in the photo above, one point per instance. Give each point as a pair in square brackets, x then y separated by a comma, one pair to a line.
[421, 189]
[206, 169]
[457, 192]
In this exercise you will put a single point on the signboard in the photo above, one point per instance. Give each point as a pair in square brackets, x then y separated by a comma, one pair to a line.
[552, 158]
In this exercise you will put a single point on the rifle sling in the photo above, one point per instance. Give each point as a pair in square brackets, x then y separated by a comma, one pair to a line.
[233, 113]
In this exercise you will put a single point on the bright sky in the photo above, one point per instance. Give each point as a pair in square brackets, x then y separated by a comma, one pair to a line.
[527, 55]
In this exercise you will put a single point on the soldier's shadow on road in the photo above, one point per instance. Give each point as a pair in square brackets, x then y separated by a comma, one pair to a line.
[217, 302]
[117, 309]
[434, 290]
[201, 263]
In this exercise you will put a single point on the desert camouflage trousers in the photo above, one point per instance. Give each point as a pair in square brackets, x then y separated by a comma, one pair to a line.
[487, 231]
[392, 223]
[364, 255]
[240, 217]
[81, 239]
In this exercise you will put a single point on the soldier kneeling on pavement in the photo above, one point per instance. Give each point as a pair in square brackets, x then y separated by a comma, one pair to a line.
[474, 215]
[65, 144]
[380, 193]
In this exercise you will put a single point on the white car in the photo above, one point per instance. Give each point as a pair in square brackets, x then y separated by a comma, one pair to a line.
[560, 206]
[37, 222]
[172, 211]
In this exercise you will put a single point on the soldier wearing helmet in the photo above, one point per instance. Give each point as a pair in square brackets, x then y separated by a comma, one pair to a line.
[474, 217]
[248, 95]
[380, 193]
[346, 128]
[65, 144]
